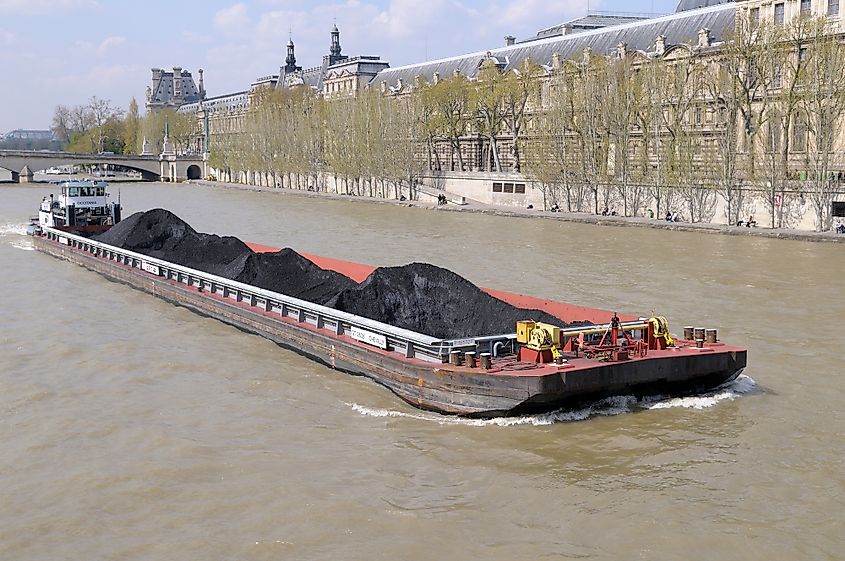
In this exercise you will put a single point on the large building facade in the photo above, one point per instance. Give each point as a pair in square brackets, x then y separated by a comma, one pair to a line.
[699, 29]
[337, 75]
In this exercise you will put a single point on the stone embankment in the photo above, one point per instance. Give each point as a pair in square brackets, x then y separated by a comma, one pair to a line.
[582, 218]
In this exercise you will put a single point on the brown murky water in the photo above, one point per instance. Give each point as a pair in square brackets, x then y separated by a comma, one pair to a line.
[132, 429]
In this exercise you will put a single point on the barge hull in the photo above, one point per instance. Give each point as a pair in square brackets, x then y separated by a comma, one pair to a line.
[432, 386]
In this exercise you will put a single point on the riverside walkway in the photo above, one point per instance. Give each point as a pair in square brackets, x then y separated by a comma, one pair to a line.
[578, 217]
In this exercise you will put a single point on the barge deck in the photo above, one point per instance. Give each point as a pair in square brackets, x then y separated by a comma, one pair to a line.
[414, 366]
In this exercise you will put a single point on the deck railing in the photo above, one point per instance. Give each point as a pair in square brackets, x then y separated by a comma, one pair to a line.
[409, 344]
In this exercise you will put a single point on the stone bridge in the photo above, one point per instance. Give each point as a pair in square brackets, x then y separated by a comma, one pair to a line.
[166, 167]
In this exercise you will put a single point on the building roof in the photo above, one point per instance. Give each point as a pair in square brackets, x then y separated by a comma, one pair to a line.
[638, 36]
[685, 5]
[164, 88]
[595, 20]
[29, 134]
[228, 102]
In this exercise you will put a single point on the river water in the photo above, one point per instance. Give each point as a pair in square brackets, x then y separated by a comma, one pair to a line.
[133, 429]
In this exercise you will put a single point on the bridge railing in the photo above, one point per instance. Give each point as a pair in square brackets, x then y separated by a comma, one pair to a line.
[409, 344]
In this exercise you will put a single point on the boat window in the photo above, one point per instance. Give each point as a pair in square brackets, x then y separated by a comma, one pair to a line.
[73, 191]
[101, 191]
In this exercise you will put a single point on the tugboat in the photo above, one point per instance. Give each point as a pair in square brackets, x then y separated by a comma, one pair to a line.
[82, 208]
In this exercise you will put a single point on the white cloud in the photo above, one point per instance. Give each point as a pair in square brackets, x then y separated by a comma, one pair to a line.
[108, 44]
[6, 37]
[232, 20]
[195, 37]
[44, 7]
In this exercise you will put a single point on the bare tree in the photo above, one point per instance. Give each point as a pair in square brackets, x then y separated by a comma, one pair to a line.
[822, 106]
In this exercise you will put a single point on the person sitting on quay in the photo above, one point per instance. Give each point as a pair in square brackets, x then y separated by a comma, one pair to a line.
[751, 223]
[441, 199]
[840, 228]
[555, 208]
[650, 213]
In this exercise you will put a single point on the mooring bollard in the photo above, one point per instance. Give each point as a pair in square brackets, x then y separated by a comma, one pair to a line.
[485, 361]
[699, 333]
[688, 333]
[469, 359]
[455, 358]
[699, 343]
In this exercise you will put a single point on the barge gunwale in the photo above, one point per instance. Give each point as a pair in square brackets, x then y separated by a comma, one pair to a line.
[430, 385]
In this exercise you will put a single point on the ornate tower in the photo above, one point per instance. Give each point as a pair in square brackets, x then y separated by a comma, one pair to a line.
[335, 55]
[201, 85]
[290, 61]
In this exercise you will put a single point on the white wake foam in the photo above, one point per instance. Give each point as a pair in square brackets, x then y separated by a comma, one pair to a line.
[603, 408]
[12, 229]
[25, 245]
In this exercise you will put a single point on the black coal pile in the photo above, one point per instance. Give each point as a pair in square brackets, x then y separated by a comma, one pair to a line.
[161, 234]
[287, 272]
[435, 301]
[420, 297]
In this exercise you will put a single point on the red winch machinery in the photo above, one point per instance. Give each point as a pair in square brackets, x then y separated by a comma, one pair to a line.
[544, 343]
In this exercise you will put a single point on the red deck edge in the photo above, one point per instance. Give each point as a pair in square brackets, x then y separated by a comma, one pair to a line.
[567, 312]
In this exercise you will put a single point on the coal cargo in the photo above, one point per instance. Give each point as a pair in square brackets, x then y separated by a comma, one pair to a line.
[432, 300]
[287, 272]
[419, 296]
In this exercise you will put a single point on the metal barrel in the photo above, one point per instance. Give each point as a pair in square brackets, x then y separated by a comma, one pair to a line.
[710, 335]
[699, 333]
[688, 333]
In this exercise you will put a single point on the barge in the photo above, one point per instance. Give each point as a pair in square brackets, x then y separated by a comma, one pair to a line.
[537, 368]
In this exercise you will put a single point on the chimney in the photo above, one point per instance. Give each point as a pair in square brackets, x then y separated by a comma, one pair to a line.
[566, 30]
[660, 45]
[383, 86]
[556, 61]
[456, 73]
[399, 84]
[704, 39]
[435, 78]
[621, 50]
[509, 40]
[588, 53]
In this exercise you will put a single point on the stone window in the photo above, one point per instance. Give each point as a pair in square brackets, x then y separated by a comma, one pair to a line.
[754, 18]
[497, 187]
[777, 76]
[806, 7]
[519, 188]
[833, 7]
[799, 133]
[773, 140]
[779, 12]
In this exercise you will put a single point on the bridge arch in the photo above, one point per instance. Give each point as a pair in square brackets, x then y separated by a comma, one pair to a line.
[194, 172]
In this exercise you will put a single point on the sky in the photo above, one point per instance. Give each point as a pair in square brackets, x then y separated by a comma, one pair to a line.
[66, 51]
